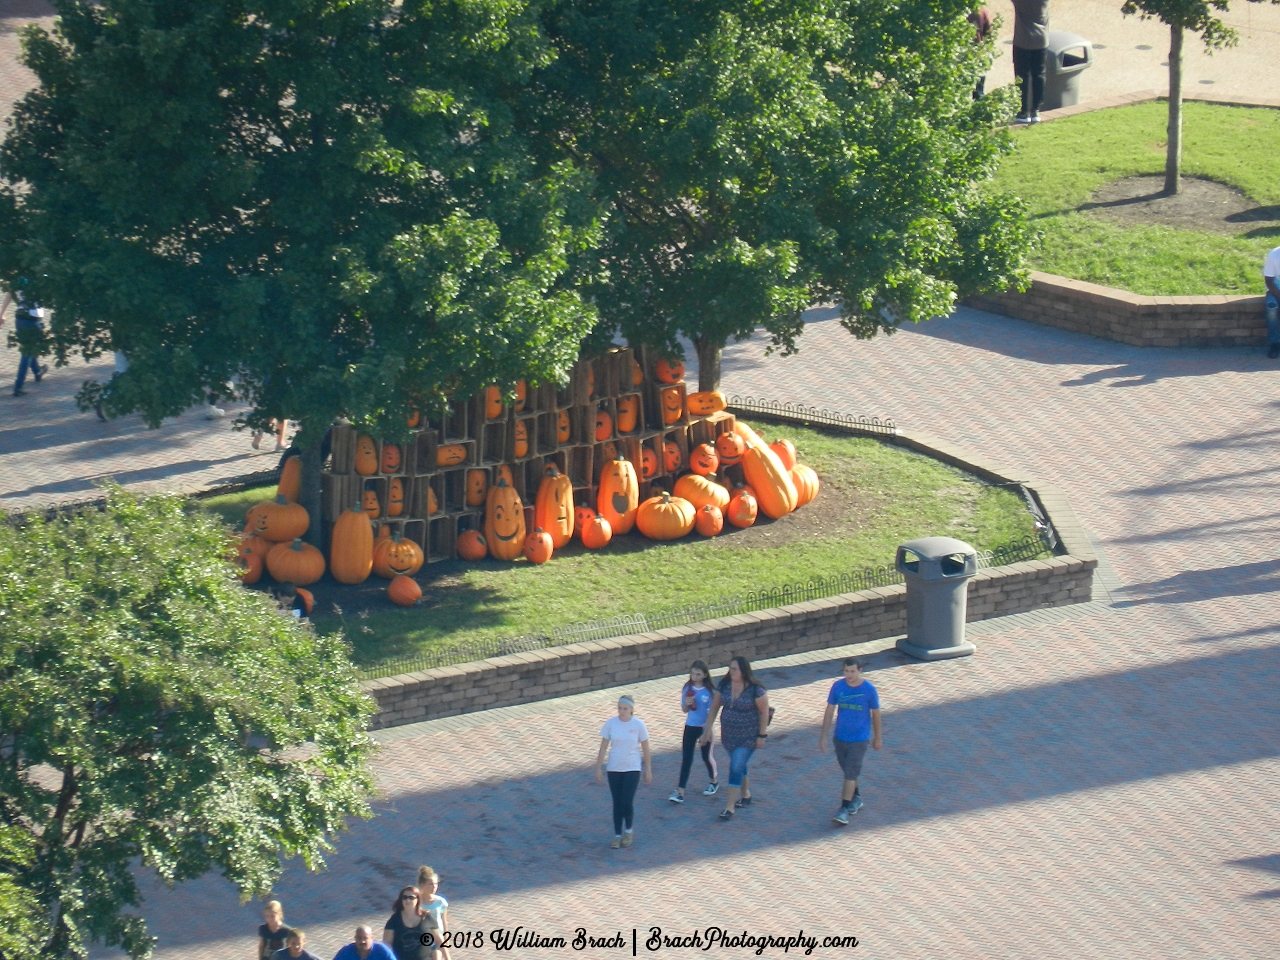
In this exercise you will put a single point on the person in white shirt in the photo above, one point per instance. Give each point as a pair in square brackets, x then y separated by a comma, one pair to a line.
[625, 739]
[1271, 277]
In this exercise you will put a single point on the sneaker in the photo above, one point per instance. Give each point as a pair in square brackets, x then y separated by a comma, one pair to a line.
[1022, 118]
[615, 843]
[711, 790]
[40, 372]
[256, 442]
[855, 805]
[215, 413]
[1274, 351]
[1034, 118]
[627, 838]
[841, 817]
[675, 797]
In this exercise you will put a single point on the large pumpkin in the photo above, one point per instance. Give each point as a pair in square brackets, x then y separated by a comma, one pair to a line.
[290, 485]
[451, 454]
[604, 426]
[351, 547]
[670, 371]
[806, 482]
[628, 413]
[366, 456]
[563, 431]
[619, 496]
[705, 403]
[672, 457]
[701, 491]
[396, 556]
[553, 507]
[404, 591]
[504, 522]
[297, 563]
[522, 439]
[749, 436]
[786, 451]
[710, 520]
[703, 459]
[730, 448]
[477, 487]
[742, 509]
[672, 405]
[648, 464]
[492, 403]
[278, 520]
[391, 457]
[537, 546]
[472, 546]
[775, 492]
[597, 534]
[395, 497]
[665, 517]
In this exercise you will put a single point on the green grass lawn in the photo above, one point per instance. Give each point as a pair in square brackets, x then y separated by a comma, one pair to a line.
[1059, 165]
[874, 496]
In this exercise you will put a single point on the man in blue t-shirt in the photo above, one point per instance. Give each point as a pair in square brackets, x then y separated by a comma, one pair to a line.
[364, 947]
[857, 724]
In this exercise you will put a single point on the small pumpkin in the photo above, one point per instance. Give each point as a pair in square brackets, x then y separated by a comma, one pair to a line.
[742, 509]
[553, 509]
[278, 520]
[391, 457]
[703, 460]
[730, 448]
[297, 562]
[563, 431]
[710, 520]
[308, 600]
[604, 425]
[775, 491]
[256, 545]
[413, 418]
[807, 484]
[581, 517]
[670, 371]
[290, 485]
[249, 567]
[591, 379]
[537, 546]
[672, 458]
[394, 556]
[619, 496]
[597, 534]
[786, 452]
[522, 395]
[451, 454]
[492, 403]
[522, 439]
[648, 464]
[672, 405]
[665, 517]
[628, 413]
[477, 486]
[504, 522]
[351, 547]
[433, 502]
[404, 591]
[472, 546]
[637, 375]
[366, 456]
[705, 403]
[369, 504]
[395, 497]
[700, 491]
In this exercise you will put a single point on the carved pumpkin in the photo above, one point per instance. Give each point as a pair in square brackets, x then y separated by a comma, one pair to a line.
[255, 545]
[395, 497]
[522, 439]
[637, 375]
[806, 482]
[351, 547]
[703, 459]
[366, 456]
[730, 448]
[648, 464]
[395, 556]
[433, 502]
[710, 520]
[563, 431]
[553, 507]
[290, 485]
[670, 371]
[391, 458]
[297, 562]
[477, 487]
[705, 403]
[604, 426]
[522, 395]
[672, 405]
[451, 454]
[504, 522]
[775, 493]
[249, 567]
[742, 509]
[597, 534]
[404, 591]
[537, 546]
[628, 413]
[492, 403]
[471, 545]
[672, 458]
[278, 520]
[413, 419]
[581, 517]
[786, 452]
[369, 504]
[619, 496]
[665, 517]
[700, 491]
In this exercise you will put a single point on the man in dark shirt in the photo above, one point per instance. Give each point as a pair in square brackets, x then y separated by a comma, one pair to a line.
[29, 322]
[295, 948]
[1030, 38]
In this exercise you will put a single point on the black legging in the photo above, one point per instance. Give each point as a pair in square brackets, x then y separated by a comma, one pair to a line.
[691, 736]
[622, 784]
[1028, 66]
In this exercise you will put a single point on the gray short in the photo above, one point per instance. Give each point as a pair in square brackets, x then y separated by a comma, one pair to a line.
[850, 755]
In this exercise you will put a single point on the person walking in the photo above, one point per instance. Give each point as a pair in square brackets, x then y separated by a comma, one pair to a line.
[295, 947]
[742, 704]
[28, 322]
[695, 700]
[625, 739]
[272, 932]
[1030, 39]
[364, 947]
[1271, 279]
[858, 723]
[406, 926]
[436, 908]
[982, 22]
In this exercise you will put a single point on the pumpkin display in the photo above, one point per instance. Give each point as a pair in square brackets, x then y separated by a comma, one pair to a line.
[670, 371]
[628, 413]
[433, 502]
[703, 459]
[366, 456]
[604, 425]
[277, 520]
[504, 521]
[785, 451]
[637, 375]
[404, 591]
[701, 491]
[710, 520]
[537, 546]
[391, 458]
[553, 509]
[395, 556]
[451, 454]
[492, 403]
[705, 403]
[672, 457]
[297, 562]
[597, 533]
[730, 448]
[742, 509]
[807, 484]
[619, 496]
[351, 547]
[522, 439]
[308, 600]
[255, 544]
[563, 429]
[665, 517]
[648, 464]
[369, 504]
[522, 395]
[477, 487]
[775, 493]
[395, 497]
[672, 405]
[581, 517]
[290, 485]
[472, 546]
[249, 567]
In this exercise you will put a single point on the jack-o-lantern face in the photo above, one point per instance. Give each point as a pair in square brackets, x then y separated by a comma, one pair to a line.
[504, 522]
[451, 454]
[604, 426]
[672, 405]
[619, 495]
[395, 497]
[648, 464]
[366, 456]
[394, 556]
[637, 375]
[730, 448]
[391, 458]
[581, 517]
[671, 456]
[492, 403]
[477, 487]
[369, 504]
[522, 395]
[670, 371]
[562, 427]
[553, 507]
[703, 459]
[522, 439]
[628, 412]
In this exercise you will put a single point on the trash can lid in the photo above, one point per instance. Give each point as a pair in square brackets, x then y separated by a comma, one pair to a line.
[935, 548]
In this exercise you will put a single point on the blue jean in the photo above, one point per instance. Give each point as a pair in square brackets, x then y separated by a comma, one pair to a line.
[739, 757]
[1273, 318]
[28, 362]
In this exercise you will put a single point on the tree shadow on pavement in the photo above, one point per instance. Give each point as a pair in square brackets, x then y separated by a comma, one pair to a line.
[1268, 864]
[1192, 586]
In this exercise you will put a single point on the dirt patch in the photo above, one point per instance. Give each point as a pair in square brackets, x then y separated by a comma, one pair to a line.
[837, 510]
[1199, 205]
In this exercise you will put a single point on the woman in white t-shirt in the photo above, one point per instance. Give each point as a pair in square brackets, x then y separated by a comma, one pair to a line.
[625, 739]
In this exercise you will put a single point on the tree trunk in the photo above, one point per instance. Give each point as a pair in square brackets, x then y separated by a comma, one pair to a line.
[309, 494]
[1173, 158]
[709, 355]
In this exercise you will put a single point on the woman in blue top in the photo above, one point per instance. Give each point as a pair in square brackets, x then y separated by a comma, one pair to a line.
[695, 701]
[743, 706]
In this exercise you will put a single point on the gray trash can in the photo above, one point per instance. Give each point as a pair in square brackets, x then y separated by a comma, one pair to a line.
[938, 571]
[1067, 57]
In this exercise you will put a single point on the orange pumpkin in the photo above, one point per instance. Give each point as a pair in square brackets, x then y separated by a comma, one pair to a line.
[604, 426]
[806, 481]
[278, 520]
[297, 563]
[477, 487]
[395, 497]
[672, 458]
[672, 405]
[563, 431]
[619, 496]
[705, 403]
[581, 517]
[504, 522]
[742, 509]
[433, 502]
[637, 375]
[395, 556]
[391, 458]
[492, 403]
[537, 546]
[700, 491]
[255, 545]
[413, 418]
[369, 504]
[522, 395]
[404, 591]
[522, 439]
[591, 379]
[366, 456]
[710, 520]
[648, 464]
[351, 547]
[775, 493]
[290, 485]
[730, 448]
[472, 546]
[308, 600]
[553, 507]
[749, 436]
[451, 454]
[670, 371]
[786, 452]
[597, 534]
[703, 460]
[628, 413]
[665, 517]
[248, 567]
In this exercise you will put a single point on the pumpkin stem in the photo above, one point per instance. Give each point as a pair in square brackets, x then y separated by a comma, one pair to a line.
[296, 545]
[281, 498]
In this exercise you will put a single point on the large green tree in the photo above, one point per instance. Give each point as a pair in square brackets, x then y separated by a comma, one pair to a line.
[154, 711]
[760, 156]
[322, 200]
